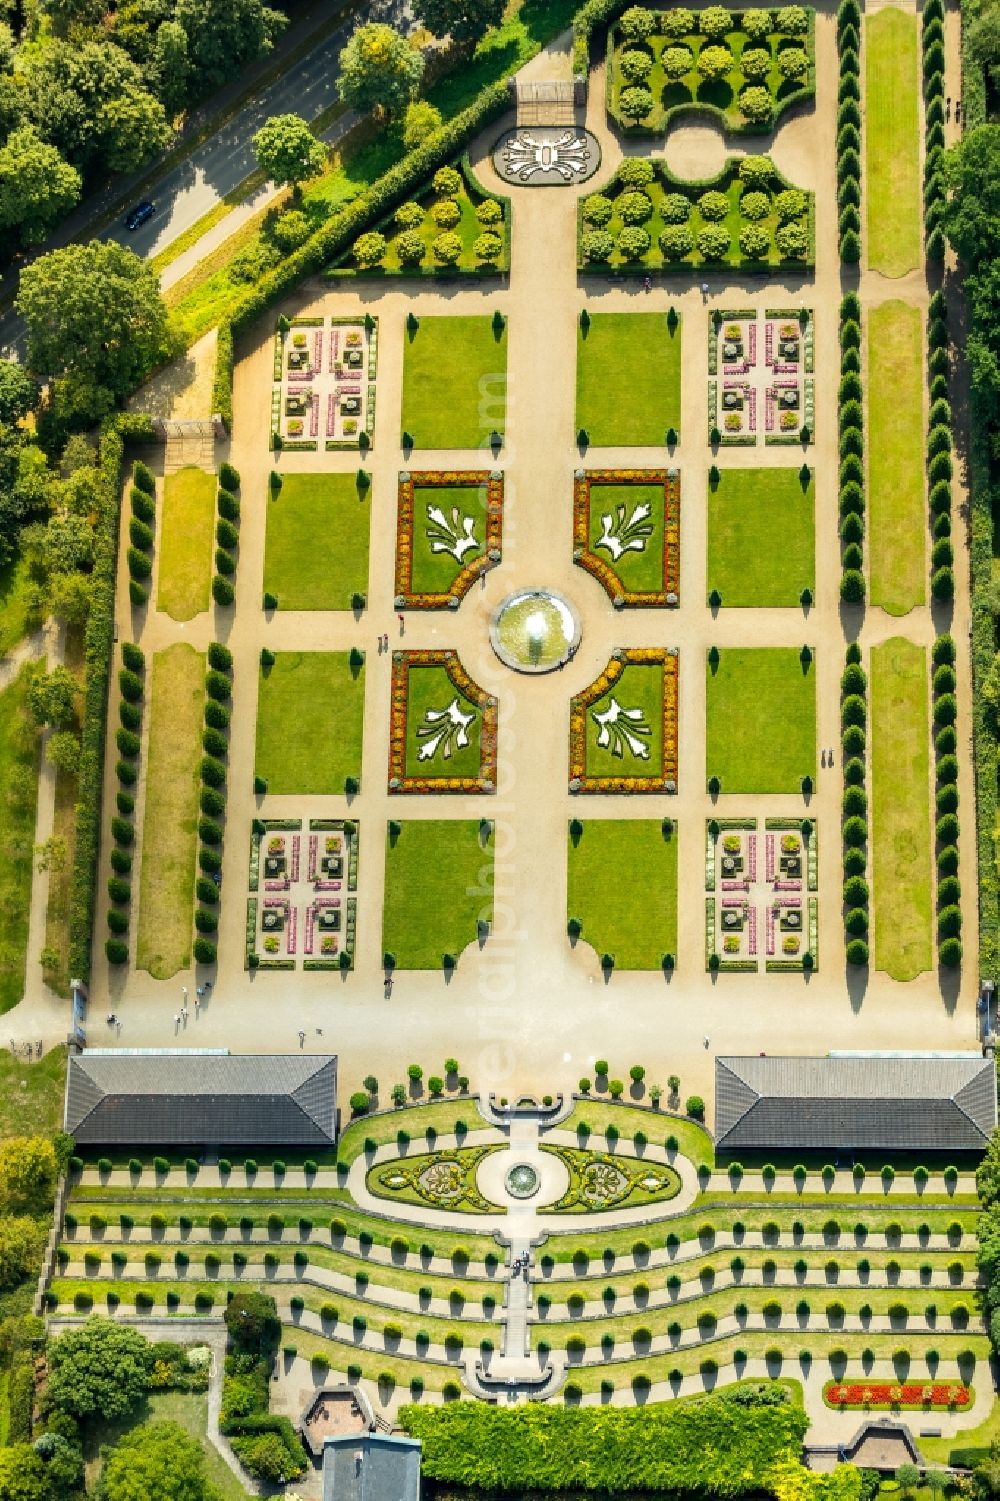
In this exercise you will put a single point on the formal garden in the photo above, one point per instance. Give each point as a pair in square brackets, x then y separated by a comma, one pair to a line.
[763, 901]
[866, 1276]
[760, 376]
[761, 720]
[748, 218]
[745, 68]
[323, 394]
[452, 227]
[443, 726]
[623, 727]
[302, 902]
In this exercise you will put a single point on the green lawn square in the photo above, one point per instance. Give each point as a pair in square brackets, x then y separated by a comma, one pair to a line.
[640, 570]
[761, 536]
[639, 687]
[761, 734]
[316, 551]
[628, 379]
[438, 887]
[454, 382]
[623, 889]
[435, 572]
[310, 717]
[432, 688]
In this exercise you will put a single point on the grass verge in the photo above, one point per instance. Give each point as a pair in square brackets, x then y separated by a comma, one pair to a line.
[901, 818]
[19, 751]
[170, 824]
[761, 720]
[310, 719]
[438, 887]
[31, 1094]
[316, 553]
[638, 931]
[892, 143]
[762, 537]
[628, 378]
[897, 524]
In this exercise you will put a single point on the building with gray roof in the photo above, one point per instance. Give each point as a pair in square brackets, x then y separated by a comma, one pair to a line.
[371, 1467]
[188, 1097]
[858, 1102]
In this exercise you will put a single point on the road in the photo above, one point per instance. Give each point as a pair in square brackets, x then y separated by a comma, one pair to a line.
[194, 186]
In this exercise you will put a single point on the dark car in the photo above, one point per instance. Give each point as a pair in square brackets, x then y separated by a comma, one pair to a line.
[138, 215]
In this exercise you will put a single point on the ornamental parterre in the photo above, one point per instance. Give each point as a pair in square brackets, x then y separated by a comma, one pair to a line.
[452, 727]
[911, 1394]
[665, 780]
[432, 528]
[628, 532]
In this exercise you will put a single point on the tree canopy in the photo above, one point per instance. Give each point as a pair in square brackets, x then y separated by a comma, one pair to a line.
[462, 20]
[287, 150]
[36, 185]
[379, 70]
[95, 312]
[28, 1163]
[99, 1368]
[157, 1462]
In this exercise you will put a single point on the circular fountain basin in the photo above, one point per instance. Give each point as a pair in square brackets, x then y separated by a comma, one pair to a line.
[522, 1181]
[534, 631]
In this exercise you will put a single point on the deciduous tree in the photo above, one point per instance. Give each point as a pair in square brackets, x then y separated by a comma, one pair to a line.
[287, 150]
[379, 70]
[98, 1368]
[462, 20]
[36, 185]
[157, 1462]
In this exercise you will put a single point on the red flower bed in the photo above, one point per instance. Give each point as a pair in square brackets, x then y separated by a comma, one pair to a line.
[912, 1394]
[604, 572]
[445, 479]
[402, 663]
[579, 778]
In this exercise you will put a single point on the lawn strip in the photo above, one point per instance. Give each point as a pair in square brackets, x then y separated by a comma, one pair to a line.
[897, 510]
[19, 758]
[187, 527]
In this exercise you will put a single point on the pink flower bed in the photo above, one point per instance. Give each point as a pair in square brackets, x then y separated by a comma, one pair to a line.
[307, 946]
[276, 901]
[733, 901]
[281, 885]
[734, 885]
[313, 419]
[326, 901]
[295, 856]
[327, 885]
[752, 856]
[334, 346]
[788, 885]
[331, 414]
[291, 929]
[313, 845]
[770, 931]
[752, 342]
[769, 857]
[298, 375]
[752, 931]
[318, 350]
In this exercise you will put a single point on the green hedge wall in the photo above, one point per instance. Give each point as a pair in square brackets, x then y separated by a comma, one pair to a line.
[723, 1445]
[98, 644]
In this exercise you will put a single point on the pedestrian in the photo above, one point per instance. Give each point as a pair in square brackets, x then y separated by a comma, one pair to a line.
[111, 1018]
[319, 1031]
[184, 992]
[208, 984]
[822, 757]
[302, 1039]
[648, 284]
[118, 1026]
[704, 290]
[947, 108]
[958, 111]
[706, 1040]
[177, 1021]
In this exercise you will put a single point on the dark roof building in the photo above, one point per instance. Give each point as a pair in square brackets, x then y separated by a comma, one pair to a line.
[855, 1102]
[371, 1467]
[186, 1097]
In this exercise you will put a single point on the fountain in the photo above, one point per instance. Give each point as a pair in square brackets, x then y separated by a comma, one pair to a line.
[534, 630]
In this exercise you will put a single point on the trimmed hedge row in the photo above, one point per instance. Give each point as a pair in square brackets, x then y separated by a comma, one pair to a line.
[212, 800]
[849, 131]
[131, 685]
[591, 21]
[932, 18]
[939, 459]
[949, 892]
[854, 826]
[227, 535]
[141, 533]
[852, 453]
[98, 647]
[339, 233]
[981, 436]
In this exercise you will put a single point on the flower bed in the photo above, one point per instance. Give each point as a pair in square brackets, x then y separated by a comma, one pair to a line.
[952, 1396]
[325, 376]
[610, 580]
[465, 573]
[404, 665]
[666, 781]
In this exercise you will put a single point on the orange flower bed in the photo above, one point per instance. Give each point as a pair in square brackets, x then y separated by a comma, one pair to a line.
[445, 479]
[402, 664]
[602, 571]
[911, 1394]
[666, 780]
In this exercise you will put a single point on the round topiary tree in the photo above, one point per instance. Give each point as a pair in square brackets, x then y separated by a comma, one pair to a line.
[714, 242]
[633, 243]
[715, 21]
[754, 242]
[755, 63]
[597, 209]
[369, 249]
[792, 63]
[793, 241]
[635, 103]
[447, 248]
[676, 62]
[675, 23]
[754, 205]
[597, 246]
[634, 207]
[676, 242]
[637, 23]
[756, 104]
[635, 65]
[714, 62]
[756, 172]
[409, 248]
